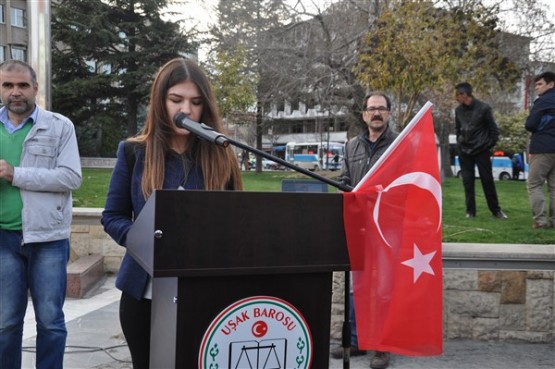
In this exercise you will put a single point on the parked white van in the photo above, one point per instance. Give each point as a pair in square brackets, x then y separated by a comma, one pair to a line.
[502, 168]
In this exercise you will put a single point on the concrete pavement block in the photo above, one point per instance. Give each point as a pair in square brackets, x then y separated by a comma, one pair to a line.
[83, 273]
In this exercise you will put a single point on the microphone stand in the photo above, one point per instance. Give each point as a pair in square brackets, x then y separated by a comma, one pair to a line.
[208, 133]
[346, 330]
[338, 185]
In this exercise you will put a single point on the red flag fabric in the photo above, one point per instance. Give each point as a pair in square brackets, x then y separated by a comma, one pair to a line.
[393, 228]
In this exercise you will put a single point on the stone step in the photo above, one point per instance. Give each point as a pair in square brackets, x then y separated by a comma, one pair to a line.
[83, 273]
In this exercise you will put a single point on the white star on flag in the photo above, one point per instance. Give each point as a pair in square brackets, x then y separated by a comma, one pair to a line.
[420, 263]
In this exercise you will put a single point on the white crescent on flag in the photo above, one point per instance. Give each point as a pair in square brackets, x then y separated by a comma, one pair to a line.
[419, 179]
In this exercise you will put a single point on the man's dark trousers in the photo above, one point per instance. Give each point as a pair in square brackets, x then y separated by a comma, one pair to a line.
[483, 161]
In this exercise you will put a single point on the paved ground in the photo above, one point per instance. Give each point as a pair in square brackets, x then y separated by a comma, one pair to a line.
[95, 342]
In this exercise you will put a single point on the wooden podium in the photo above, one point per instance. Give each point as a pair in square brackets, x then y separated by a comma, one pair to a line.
[207, 250]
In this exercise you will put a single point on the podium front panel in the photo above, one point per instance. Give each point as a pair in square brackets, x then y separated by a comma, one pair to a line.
[238, 233]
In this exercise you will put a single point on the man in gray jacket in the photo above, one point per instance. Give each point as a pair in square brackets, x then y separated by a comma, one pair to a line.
[361, 153]
[39, 167]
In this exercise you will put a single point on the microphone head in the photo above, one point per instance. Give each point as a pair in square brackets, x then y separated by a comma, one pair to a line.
[178, 118]
[200, 129]
[178, 115]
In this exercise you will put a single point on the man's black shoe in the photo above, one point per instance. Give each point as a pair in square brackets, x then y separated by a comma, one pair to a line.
[380, 360]
[337, 352]
[470, 215]
[500, 215]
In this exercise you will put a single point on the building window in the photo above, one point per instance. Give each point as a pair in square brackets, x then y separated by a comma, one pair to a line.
[91, 65]
[18, 18]
[297, 128]
[105, 69]
[343, 126]
[2, 16]
[19, 53]
[2, 53]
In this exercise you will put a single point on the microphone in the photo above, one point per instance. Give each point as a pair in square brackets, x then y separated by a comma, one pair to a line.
[200, 129]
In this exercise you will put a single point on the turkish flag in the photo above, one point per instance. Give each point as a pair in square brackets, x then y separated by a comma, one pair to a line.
[393, 228]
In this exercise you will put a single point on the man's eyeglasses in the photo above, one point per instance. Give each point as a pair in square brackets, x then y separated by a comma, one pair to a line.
[372, 109]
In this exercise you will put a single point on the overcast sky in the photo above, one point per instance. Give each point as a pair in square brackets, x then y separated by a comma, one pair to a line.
[199, 14]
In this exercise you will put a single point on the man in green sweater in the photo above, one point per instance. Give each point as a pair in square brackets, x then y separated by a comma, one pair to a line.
[39, 167]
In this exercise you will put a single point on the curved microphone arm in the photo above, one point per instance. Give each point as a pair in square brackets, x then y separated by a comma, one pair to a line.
[338, 185]
[209, 134]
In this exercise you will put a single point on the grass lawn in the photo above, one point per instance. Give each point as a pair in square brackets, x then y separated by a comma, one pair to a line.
[513, 199]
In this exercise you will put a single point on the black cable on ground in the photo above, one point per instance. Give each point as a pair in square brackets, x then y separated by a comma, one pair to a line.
[70, 349]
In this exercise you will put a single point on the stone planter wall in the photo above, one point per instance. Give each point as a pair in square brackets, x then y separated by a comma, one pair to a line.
[479, 304]
[489, 305]
[88, 238]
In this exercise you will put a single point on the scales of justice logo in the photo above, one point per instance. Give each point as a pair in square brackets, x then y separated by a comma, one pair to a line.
[258, 332]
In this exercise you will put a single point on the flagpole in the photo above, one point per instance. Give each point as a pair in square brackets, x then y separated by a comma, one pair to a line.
[39, 48]
[346, 331]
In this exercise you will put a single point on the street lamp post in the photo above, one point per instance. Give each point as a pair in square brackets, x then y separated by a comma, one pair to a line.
[328, 150]
[330, 129]
[40, 48]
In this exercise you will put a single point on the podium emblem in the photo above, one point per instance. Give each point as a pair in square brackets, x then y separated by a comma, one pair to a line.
[259, 332]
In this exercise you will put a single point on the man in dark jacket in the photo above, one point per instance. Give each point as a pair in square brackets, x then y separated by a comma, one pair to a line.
[477, 134]
[361, 153]
[541, 122]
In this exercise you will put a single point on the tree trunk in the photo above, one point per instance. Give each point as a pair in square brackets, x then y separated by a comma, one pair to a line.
[132, 108]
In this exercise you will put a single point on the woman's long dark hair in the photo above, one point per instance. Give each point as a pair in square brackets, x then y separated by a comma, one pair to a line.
[219, 165]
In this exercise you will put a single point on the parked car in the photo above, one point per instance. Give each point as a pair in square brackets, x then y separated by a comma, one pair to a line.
[271, 165]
